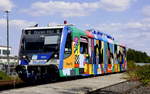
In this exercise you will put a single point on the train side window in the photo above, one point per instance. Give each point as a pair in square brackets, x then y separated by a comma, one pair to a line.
[115, 48]
[83, 45]
[96, 52]
[83, 48]
[109, 54]
[121, 55]
[68, 46]
[124, 51]
[100, 52]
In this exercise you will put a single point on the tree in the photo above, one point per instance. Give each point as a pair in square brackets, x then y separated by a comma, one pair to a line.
[137, 56]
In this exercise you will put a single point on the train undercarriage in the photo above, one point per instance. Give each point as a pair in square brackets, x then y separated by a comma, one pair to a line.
[37, 73]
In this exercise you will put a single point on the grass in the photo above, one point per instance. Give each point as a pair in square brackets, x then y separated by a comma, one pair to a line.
[4, 76]
[141, 73]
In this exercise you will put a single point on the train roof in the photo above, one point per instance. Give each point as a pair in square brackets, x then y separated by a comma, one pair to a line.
[48, 27]
[37, 28]
[90, 33]
[102, 36]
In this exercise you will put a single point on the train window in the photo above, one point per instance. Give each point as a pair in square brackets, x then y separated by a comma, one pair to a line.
[115, 54]
[68, 46]
[96, 52]
[29, 32]
[83, 48]
[121, 55]
[120, 58]
[115, 48]
[51, 40]
[83, 45]
[26, 32]
[124, 51]
[100, 52]
[109, 54]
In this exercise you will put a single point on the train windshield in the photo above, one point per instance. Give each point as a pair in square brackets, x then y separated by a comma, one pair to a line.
[40, 41]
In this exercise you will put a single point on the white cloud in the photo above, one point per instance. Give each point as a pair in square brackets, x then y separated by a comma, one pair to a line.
[61, 8]
[14, 32]
[6, 5]
[2, 22]
[133, 34]
[70, 9]
[145, 10]
[115, 5]
[21, 23]
[146, 20]
[17, 23]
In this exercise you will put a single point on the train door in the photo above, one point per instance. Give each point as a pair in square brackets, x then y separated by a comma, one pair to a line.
[125, 59]
[73, 62]
[116, 63]
[105, 57]
[98, 63]
[101, 59]
[84, 55]
[69, 57]
[110, 56]
[121, 58]
[96, 57]
[92, 65]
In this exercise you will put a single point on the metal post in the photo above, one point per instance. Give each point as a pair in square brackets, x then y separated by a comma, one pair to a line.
[7, 15]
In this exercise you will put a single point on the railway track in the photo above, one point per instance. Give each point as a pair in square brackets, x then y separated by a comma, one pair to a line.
[2, 83]
[5, 84]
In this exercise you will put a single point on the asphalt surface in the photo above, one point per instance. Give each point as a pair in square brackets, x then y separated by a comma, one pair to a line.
[81, 86]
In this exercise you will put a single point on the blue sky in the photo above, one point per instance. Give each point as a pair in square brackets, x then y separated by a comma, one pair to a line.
[127, 20]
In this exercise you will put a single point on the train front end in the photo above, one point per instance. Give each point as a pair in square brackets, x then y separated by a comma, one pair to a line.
[39, 53]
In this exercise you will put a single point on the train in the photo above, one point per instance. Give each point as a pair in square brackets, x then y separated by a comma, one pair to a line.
[48, 53]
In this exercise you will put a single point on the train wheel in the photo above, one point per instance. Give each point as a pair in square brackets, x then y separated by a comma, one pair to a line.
[53, 73]
[21, 71]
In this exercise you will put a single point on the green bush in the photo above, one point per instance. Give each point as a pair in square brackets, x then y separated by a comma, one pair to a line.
[131, 65]
[131, 70]
[141, 73]
[4, 76]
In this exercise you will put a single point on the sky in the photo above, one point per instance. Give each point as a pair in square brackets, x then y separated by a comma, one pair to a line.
[128, 21]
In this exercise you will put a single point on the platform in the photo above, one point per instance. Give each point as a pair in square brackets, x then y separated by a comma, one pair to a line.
[79, 86]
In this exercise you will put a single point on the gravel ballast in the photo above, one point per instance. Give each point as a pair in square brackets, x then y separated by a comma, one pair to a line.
[128, 87]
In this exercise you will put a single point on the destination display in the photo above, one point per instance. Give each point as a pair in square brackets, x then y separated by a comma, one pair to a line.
[46, 31]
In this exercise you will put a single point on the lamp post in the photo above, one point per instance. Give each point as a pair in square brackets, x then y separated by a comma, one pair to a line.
[7, 16]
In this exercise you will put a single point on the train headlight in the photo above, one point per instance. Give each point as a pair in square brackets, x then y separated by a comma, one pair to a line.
[24, 57]
[55, 55]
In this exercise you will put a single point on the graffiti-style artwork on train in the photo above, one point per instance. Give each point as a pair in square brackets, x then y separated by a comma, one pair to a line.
[110, 57]
[80, 52]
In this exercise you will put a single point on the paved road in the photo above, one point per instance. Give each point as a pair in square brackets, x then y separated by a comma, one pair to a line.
[71, 87]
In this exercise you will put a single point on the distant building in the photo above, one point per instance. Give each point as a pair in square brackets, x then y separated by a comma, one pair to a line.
[3, 59]
[3, 50]
[3, 55]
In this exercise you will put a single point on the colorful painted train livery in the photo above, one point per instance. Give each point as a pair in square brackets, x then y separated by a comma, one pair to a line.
[62, 51]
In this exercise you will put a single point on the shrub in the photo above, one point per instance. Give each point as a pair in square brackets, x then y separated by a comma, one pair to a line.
[4, 76]
[141, 73]
[144, 74]
[131, 70]
[131, 65]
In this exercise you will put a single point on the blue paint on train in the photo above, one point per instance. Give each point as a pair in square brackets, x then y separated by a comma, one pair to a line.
[62, 47]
